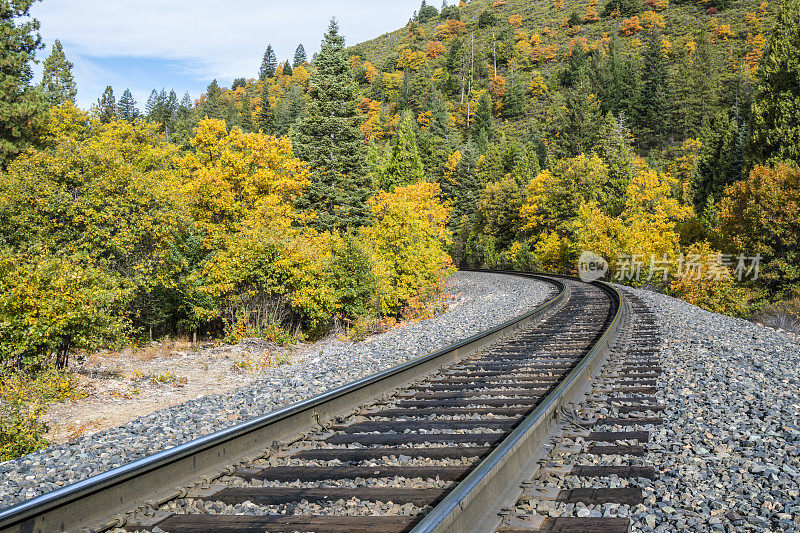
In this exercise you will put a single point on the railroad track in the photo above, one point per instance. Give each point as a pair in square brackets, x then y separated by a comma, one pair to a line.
[452, 441]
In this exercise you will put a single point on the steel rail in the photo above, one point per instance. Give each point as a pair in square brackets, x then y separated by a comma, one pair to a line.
[99, 502]
[474, 504]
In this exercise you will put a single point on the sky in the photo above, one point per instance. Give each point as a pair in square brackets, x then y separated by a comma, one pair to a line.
[183, 45]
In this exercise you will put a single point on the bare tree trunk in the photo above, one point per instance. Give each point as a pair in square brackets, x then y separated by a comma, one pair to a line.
[494, 53]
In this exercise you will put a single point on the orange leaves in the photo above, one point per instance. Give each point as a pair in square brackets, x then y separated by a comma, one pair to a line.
[591, 15]
[371, 126]
[411, 59]
[424, 119]
[515, 21]
[651, 19]
[370, 72]
[499, 3]
[724, 32]
[434, 49]
[755, 50]
[579, 41]
[452, 28]
[656, 5]
[630, 26]
[497, 86]
[558, 4]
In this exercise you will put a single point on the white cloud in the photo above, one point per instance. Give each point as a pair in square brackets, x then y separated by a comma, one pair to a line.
[216, 39]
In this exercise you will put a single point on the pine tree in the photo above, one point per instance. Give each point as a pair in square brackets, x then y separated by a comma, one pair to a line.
[106, 106]
[266, 115]
[186, 101]
[58, 84]
[481, 129]
[775, 115]
[580, 122]
[152, 103]
[300, 56]
[211, 106]
[656, 94]
[22, 110]
[463, 187]
[287, 68]
[247, 115]
[514, 99]
[269, 63]
[696, 87]
[329, 138]
[238, 82]
[126, 108]
[405, 165]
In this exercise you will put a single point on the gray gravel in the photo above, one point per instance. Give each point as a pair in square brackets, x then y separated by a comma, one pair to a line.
[729, 451]
[480, 301]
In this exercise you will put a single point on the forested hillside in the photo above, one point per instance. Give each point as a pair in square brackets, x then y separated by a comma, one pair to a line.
[341, 189]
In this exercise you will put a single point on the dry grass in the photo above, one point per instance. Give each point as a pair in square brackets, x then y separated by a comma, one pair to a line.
[781, 315]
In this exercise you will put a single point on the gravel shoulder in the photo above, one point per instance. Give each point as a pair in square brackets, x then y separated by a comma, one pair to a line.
[729, 451]
[477, 302]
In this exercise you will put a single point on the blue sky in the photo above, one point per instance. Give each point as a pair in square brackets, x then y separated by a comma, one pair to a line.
[183, 45]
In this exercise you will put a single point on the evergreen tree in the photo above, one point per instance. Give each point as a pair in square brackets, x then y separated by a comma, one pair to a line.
[22, 110]
[58, 84]
[481, 129]
[514, 99]
[579, 123]
[329, 138]
[238, 82]
[126, 108]
[405, 165]
[287, 68]
[106, 106]
[152, 103]
[266, 115]
[775, 115]
[577, 69]
[492, 167]
[426, 12]
[246, 122]
[300, 56]
[269, 63]
[696, 87]
[462, 186]
[186, 101]
[656, 95]
[436, 142]
[211, 106]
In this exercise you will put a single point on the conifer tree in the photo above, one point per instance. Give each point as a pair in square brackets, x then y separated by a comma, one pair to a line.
[126, 108]
[300, 56]
[580, 122]
[462, 187]
[266, 115]
[106, 106]
[22, 110]
[58, 85]
[656, 94]
[329, 138]
[287, 68]
[211, 107]
[186, 101]
[775, 115]
[269, 63]
[247, 115]
[514, 99]
[152, 103]
[405, 165]
[481, 129]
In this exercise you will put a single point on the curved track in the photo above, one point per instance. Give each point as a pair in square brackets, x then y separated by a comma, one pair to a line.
[432, 445]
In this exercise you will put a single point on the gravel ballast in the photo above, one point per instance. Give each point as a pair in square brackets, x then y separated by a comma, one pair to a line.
[729, 451]
[479, 302]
